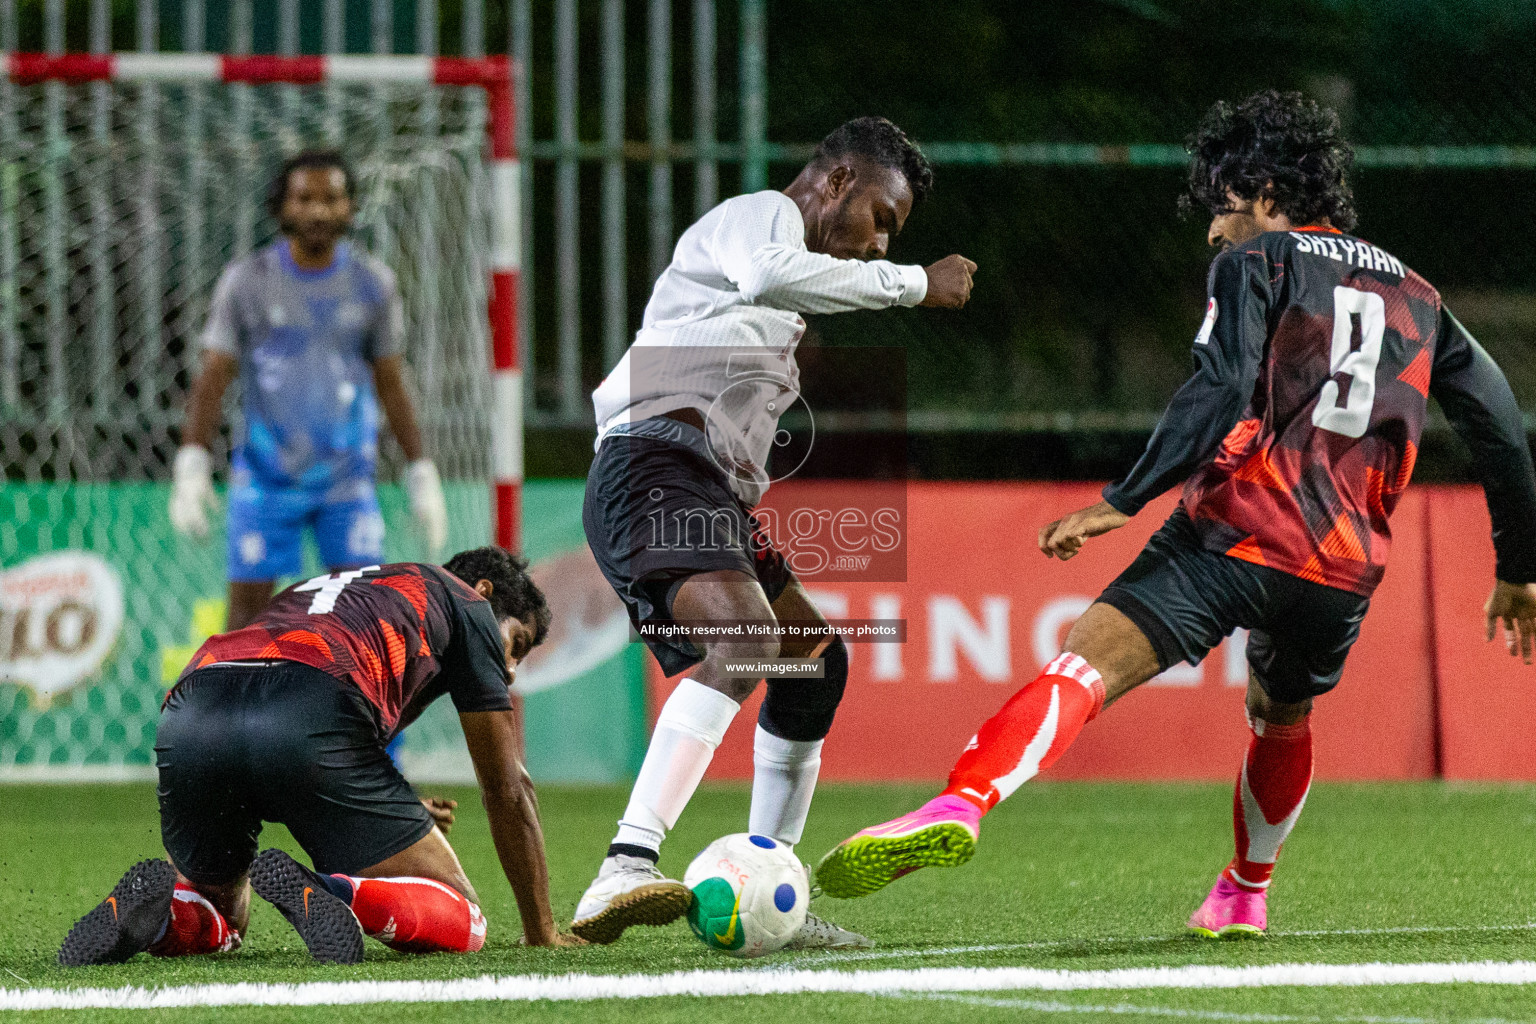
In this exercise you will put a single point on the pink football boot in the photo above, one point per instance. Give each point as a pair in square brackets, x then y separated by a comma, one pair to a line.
[941, 833]
[1230, 912]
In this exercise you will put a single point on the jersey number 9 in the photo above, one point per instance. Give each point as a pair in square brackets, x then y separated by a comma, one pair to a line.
[1353, 416]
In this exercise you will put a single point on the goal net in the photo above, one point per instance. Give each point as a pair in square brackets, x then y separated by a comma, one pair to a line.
[121, 200]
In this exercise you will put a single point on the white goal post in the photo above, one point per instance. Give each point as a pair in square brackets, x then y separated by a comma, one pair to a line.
[128, 180]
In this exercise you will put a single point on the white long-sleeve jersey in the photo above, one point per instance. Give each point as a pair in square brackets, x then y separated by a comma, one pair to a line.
[720, 331]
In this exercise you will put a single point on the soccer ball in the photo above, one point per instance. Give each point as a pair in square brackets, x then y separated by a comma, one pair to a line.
[749, 895]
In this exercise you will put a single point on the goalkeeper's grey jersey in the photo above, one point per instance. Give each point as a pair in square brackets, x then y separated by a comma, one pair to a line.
[306, 341]
[720, 331]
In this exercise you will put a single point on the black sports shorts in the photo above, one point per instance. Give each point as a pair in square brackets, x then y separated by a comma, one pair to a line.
[657, 512]
[251, 742]
[1186, 599]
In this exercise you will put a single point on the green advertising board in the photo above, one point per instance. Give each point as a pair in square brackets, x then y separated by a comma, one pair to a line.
[101, 605]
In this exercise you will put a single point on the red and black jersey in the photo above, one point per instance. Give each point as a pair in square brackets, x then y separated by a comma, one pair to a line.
[403, 634]
[1299, 429]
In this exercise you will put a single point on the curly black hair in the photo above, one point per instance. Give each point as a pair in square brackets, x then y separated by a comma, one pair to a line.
[1275, 144]
[513, 592]
[309, 159]
[880, 141]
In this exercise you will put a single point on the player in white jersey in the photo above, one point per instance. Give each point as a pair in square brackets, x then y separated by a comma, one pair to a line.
[314, 326]
[686, 423]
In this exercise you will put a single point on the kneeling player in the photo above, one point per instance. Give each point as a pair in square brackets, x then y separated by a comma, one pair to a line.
[287, 720]
[1297, 434]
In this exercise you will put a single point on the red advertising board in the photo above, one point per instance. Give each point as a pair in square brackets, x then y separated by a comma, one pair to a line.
[985, 610]
[1487, 698]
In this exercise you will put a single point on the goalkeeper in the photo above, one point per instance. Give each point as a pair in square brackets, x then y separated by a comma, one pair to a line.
[315, 327]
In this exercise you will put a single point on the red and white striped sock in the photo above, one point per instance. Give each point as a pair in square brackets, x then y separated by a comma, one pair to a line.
[417, 915]
[1029, 733]
[1271, 789]
[196, 927]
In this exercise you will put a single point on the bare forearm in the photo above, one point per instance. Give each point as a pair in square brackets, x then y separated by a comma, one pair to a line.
[402, 420]
[205, 400]
[513, 811]
[389, 381]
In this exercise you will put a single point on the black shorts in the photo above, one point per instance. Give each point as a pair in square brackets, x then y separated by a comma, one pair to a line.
[278, 741]
[1187, 599]
[656, 513]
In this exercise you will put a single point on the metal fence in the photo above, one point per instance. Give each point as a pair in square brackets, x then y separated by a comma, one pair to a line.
[120, 202]
[590, 332]
[1091, 285]
[232, 224]
[636, 117]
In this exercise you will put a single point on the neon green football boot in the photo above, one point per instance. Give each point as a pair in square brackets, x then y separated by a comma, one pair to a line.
[940, 834]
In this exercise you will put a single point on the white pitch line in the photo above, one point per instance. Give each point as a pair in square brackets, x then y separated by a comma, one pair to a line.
[1413, 930]
[912, 952]
[583, 987]
[1127, 1009]
[903, 954]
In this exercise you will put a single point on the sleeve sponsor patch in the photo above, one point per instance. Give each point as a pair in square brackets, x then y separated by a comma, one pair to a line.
[1204, 336]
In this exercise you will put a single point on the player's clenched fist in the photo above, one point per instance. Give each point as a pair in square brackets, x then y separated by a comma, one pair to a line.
[949, 282]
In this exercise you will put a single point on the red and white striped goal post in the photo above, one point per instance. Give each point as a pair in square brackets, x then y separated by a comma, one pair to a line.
[493, 74]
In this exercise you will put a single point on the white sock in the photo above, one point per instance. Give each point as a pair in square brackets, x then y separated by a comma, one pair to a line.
[783, 780]
[691, 725]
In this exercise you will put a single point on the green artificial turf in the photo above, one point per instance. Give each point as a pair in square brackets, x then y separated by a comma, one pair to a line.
[1068, 876]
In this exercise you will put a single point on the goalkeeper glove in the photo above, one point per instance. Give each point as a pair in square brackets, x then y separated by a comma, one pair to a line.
[427, 505]
[192, 496]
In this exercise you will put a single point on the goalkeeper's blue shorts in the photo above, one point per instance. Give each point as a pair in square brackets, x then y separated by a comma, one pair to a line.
[266, 527]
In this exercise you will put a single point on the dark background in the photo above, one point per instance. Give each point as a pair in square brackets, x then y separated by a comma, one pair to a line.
[1090, 284]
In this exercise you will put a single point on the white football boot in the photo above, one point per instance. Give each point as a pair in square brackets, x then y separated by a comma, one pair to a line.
[628, 891]
[819, 933]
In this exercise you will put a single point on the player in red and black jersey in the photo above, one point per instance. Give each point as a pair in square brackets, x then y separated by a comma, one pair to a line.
[1294, 440]
[286, 721]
